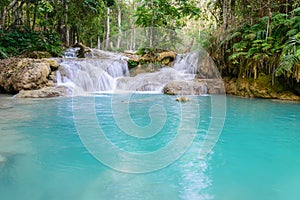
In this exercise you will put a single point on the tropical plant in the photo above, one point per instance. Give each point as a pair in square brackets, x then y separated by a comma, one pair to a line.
[24, 40]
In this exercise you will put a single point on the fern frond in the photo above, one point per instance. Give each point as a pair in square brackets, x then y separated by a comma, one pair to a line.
[237, 55]
[286, 64]
[230, 37]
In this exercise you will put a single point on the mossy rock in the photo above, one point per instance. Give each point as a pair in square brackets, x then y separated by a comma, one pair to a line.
[39, 54]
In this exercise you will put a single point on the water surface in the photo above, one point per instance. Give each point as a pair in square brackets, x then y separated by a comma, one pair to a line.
[256, 157]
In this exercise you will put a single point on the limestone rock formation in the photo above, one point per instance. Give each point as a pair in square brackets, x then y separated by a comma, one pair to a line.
[45, 92]
[185, 88]
[39, 54]
[257, 89]
[166, 58]
[26, 74]
[214, 86]
[195, 87]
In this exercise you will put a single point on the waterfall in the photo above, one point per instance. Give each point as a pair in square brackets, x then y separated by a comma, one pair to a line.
[107, 71]
[187, 63]
[91, 75]
[150, 81]
[71, 52]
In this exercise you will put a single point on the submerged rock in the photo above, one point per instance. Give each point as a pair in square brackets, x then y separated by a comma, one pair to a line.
[2, 160]
[44, 92]
[182, 99]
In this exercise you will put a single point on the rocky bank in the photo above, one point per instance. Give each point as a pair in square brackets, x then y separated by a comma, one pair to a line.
[259, 88]
[25, 75]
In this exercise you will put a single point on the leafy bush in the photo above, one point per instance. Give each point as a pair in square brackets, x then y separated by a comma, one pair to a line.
[24, 40]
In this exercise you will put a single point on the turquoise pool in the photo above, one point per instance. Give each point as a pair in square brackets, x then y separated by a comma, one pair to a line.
[42, 155]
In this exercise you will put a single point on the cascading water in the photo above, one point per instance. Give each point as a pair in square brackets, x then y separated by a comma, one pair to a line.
[91, 75]
[187, 63]
[151, 81]
[106, 71]
[71, 52]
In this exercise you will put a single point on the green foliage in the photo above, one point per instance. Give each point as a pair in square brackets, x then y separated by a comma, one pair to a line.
[257, 37]
[164, 13]
[132, 63]
[23, 40]
[231, 37]
[264, 46]
[3, 53]
[290, 56]
[142, 51]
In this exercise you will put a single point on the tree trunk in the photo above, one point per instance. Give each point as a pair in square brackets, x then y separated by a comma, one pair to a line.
[108, 28]
[151, 37]
[226, 13]
[66, 25]
[14, 15]
[8, 18]
[27, 15]
[20, 14]
[255, 72]
[132, 32]
[34, 15]
[98, 42]
[78, 37]
[3, 17]
[73, 35]
[151, 33]
[119, 25]
[269, 31]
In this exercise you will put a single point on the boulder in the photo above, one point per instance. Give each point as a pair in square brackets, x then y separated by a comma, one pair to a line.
[166, 58]
[53, 64]
[185, 88]
[45, 92]
[148, 57]
[26, 74]
[214, 86]
[82, 50]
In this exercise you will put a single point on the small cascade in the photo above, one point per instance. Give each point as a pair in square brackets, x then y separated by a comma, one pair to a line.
[71, 52]
[150, 81]
[91, 75]
[187, 63]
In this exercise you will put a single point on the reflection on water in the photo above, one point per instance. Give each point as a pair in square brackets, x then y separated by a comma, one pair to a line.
[12, 142]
